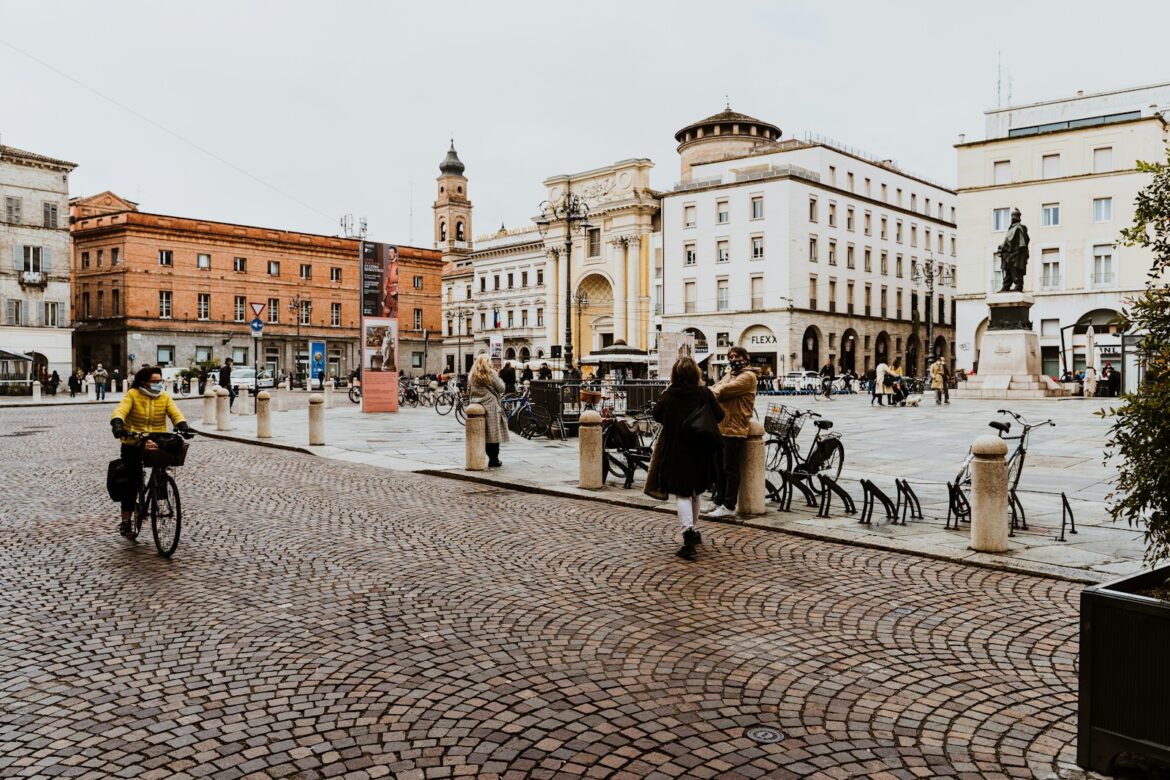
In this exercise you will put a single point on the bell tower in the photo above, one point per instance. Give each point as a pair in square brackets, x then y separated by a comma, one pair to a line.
[452, 209]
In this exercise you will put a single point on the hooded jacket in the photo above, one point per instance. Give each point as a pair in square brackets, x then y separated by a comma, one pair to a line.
[736, 393]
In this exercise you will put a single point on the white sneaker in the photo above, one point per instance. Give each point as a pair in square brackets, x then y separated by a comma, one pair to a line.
[711, 507]
[720, 512]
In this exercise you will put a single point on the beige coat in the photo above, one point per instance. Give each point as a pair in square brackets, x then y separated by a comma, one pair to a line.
[938, 375]
[736, 393]
[488, 396]
[882, 389]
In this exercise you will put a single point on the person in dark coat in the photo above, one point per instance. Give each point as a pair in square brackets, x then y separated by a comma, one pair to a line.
[508, 375]
[545, 372]
[225, 381]
[680, 466]
[74, 384]
[526, 375]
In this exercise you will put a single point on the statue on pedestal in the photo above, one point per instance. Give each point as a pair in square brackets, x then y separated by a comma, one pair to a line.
[1013, 255]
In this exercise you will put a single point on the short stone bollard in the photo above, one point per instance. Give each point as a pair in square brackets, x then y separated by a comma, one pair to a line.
[589, 445]
[90, 391]
[328, 395]
[244, 401]
[316, 420]
[282, 398]
[36, 390]
[223, 414]
[475, 458]
[263, 415]
[209, 406]
[990, 519]
[752, 483]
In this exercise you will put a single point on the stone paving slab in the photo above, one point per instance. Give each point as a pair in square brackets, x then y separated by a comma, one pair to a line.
[925, 445]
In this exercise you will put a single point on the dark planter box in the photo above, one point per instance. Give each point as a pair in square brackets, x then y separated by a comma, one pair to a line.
[1125, 672]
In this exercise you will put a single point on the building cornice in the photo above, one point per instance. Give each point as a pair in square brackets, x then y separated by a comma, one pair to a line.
[1051, 133]
[1056, 180]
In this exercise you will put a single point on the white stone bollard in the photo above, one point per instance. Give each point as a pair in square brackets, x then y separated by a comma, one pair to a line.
[752, 487]
[36, 390]
[589, 449]
[263, 415]
[208, 405]
[475, 458]
[328, 395]
[282, 398]
[91, 391]
[244, 401]
[989, 495]
[316, 420]
[223, 419]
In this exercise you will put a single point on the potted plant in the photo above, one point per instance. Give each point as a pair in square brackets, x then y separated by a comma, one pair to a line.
[1125, 624]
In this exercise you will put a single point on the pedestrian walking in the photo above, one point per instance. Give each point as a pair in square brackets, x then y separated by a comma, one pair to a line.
[683, 463]
[54, 383]
[939, 377]
[100, 377]
[545, 372]
[116, 380]
[75, 383]
[1090, 382]
[508, 375]
[486, 390]
[736, 393]
[881, 390]
[225, 381]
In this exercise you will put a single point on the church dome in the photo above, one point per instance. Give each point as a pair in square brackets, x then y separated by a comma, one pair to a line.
[451, 165]
[722, 136]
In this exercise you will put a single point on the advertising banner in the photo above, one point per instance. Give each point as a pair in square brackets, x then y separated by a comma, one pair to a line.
[379, 349]
[496, 349]
[672, 346]
[316, 359]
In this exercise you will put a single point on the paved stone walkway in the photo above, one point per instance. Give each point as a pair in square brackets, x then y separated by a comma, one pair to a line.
[322, 618]
[925, 445]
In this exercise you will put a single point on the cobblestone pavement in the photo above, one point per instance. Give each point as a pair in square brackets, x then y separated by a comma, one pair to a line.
[324, 619]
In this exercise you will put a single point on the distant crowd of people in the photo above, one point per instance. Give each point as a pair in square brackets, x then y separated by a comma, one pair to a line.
[1105, 385]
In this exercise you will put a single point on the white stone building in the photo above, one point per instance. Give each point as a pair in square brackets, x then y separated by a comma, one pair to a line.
[801, 251]
[1069, 165]
[35, 332]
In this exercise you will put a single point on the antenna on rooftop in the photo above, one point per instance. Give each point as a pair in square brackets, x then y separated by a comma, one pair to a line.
[998, 78]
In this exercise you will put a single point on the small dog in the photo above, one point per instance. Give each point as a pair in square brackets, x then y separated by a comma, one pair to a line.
[914, 400]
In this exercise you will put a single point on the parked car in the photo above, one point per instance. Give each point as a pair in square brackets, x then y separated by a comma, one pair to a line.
[246, 378]
[802, 380]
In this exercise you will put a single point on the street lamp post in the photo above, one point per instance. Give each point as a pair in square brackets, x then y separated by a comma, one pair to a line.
[296, 305]
[927, 275]
[582, 299]
[461, 313]
[574, 213]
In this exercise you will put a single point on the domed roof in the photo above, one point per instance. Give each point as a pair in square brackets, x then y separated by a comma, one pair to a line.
[451, 165]
[727, 118]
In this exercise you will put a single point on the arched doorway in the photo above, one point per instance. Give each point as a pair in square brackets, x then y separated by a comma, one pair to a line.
[510, 353]
[810, 349]
[761, 344]
[525, 354]
[979, 331]
[849, 344]
[940, 350]
[881, 349]
[913, 368]
[593, 313]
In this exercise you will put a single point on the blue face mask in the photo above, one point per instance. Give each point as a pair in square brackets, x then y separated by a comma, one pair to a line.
[156, 387]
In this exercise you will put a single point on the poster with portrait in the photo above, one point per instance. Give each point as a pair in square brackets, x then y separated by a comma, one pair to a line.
[379, 349]
[672, 346]
[496, 349]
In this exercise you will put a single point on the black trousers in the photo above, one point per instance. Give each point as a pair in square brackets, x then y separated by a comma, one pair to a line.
[132, 457]
[727, 472]
[493, 451]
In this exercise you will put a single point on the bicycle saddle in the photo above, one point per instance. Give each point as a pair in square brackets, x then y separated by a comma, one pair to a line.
[999, 425]
[824, 425]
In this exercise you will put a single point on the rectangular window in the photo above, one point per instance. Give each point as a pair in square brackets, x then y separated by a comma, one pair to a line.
[1050, 269]
[482, 321]
[1102, 209]
[868, 230]
[898, 232]
[523, 279]
[690, 298]
[240, 265]
[1050, 215]
[334, 274]
[115, 302]
[913, 202]
[416, 282]
[274, 268]
[1001, 172]
[12, 210]
[996, 273]
[885, 194]
[32, 259]
[898, 266]
[51, 313]
[1000, 219]
[524, 318]
[241, 303]
[335, 314]
[306, 312]
[868, 260]
[722, 252]
[496, 282]
[832, 215]
[898, 305]
[166, 257]
[416, 360]
[868, 303]
[885, 296]
[885, 231]
[849, 179]
[812, 249]
[721, 295]
[722, 214]
[164, 355]
[85, 312]
[306, 271]
[850, 259]
[1050, 166]
[595, 242]
[1102, 265]
[164, 304]
[689, 257]
[240, 356]
[757, 293]
[757, 247]
[203, 306]
[832, 295]
[1103, 159]
[758, 207]
[688, 216]
[115, 256]
[885, 264]
[511, 279]
[49, 215]
[273, 310]
[849, 217]
[203, 262]
[832, 251]
[539, 277]
[812, 209]
[913, 235]
[418, 315]
[540, 318]
[849, 297]
[101, 258]
[483, 284]
[202, 354]
[812, 293]
[868, 187]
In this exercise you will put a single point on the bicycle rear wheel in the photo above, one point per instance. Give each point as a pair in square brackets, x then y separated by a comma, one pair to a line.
[539, 420]
[445, 403]
[461, 413]
[355, 395]
[833, 453]
[166, 515]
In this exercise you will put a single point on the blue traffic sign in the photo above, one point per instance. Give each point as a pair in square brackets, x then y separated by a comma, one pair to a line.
[257, 326]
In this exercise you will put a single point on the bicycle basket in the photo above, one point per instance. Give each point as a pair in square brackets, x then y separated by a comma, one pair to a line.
[172, 451]
[783, 422]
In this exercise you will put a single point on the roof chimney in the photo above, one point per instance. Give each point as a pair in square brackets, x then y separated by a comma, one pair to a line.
[962, 138]
[1080, 93]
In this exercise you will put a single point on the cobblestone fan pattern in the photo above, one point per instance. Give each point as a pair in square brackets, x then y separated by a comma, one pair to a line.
[322, 619]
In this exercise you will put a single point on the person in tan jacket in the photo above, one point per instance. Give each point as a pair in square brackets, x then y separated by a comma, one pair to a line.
[736, 393]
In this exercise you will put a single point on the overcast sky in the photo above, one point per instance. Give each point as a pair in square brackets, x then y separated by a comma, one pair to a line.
[348, 106]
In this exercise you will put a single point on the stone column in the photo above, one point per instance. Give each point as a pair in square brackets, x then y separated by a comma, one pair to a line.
[208, 405]
[553, 296]
[316, 420]
[475, 455]
[617, 264]
[282, 398]
[223, 420]
[589, 450]
[752, 490]
[263, 415]
[633, 293]
[36, 392]
[989, 495]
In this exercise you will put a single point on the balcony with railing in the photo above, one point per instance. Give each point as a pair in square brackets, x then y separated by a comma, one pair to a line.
[37, 279]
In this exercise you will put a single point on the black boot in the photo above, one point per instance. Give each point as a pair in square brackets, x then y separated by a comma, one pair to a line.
[493, 453]
[687, 551]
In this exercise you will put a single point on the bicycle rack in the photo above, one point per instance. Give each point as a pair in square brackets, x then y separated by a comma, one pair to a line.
[908, 503]
[1019, 520]
[957, 505]
[1066, 514]
[872, 491]
[829, 486]
[783, 494]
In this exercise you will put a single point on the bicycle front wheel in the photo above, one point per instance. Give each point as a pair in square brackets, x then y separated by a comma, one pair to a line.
[776, 457]
[355, 395]
[444, 404]
[166, 516]
[539, 421]
[461, 413]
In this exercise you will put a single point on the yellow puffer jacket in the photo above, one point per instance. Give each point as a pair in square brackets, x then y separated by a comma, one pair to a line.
[143, 414]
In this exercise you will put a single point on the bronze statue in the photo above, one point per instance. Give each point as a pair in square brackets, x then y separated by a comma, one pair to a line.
[1013, 255]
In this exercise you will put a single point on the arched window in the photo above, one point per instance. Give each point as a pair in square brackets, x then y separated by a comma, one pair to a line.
[459, 231]
[443, 231]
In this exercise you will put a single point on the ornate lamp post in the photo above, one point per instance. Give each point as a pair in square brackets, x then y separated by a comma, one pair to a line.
[461, 314]
[927, 275]
[582, 299]
[296, 306]
[571, 210]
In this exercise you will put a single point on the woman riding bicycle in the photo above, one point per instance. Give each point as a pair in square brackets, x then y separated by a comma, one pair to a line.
[143, 410]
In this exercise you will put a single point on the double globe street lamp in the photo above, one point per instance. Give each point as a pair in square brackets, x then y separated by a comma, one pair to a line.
[572, 211]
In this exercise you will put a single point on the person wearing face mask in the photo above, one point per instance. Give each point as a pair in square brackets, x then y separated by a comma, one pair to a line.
[144, 409]
[736, 393]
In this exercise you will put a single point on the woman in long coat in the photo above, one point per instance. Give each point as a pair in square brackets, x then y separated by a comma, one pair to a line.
[680, 466]
[486, 390]
[880, 390]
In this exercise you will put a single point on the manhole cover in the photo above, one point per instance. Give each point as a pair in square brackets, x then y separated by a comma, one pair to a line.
[763, 735]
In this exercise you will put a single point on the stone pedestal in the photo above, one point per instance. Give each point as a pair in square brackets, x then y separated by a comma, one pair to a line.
[990, 514]
[475, 455]
[590, 451]
[316, 420]
[752, 487]
[1009, 355]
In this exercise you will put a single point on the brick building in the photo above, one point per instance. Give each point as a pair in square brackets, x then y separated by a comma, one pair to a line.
[420, 310]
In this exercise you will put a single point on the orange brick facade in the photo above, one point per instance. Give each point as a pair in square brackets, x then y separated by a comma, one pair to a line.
[420, 310]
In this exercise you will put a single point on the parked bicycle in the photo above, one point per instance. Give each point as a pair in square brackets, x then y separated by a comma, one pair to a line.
[447, 399]
[355, 391]
[826, 453]
[1015, 462]
[525, 417]
[159, 495]
[627, 444]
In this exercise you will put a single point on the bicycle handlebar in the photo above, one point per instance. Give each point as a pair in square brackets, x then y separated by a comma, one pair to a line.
[1024, 422]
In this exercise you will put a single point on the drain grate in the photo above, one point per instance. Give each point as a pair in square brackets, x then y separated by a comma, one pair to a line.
[764, 735]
